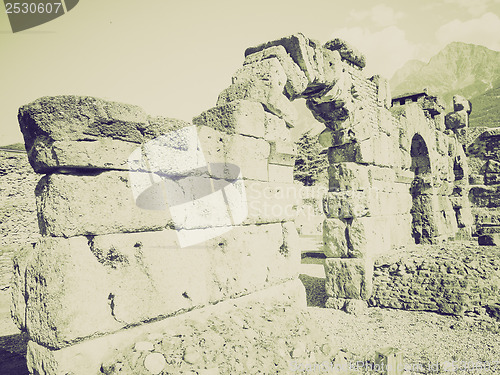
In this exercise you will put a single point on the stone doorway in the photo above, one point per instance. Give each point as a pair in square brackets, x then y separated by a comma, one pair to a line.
[421, 191]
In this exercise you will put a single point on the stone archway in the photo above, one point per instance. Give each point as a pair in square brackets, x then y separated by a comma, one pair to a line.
[421, 191]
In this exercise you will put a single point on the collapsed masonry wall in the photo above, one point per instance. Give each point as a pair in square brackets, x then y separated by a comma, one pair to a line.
[458, 280]
[483, 154]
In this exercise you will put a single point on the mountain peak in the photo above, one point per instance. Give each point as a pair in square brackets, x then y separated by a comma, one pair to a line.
[459, 68]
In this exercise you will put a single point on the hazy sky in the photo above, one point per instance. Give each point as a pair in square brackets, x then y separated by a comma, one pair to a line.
[174, 57]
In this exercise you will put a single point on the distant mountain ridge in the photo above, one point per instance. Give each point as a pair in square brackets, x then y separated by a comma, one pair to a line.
[470, 70]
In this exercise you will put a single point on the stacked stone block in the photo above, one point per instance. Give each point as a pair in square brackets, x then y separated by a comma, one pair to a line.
[117, 250]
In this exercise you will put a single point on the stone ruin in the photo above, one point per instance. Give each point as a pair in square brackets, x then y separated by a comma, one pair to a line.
[144, 218]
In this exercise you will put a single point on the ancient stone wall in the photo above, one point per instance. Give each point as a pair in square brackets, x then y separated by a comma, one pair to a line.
[458, 280]
[484, 194]
[143, 218]
[397, 176]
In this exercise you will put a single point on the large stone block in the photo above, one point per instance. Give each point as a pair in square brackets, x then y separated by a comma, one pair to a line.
[276, 129]
[349, 134]
[83, 286]
[248, 153]
[270, 202]
[270, 96]
[456, 120]
[243, 117]
[382, 178]
[280, 173]
[400, 230]
[368, 236]
[335, 244]
[85, 132]
[48, 156]
[268, 70]
[346, 204]
[348, 176]
[78, 118]
[492, 166]
[335, 107]
[307, 54]
[296, 78]
[359, 203]
[203, 150]
[347, 52]
[348, 278]
[67, 205]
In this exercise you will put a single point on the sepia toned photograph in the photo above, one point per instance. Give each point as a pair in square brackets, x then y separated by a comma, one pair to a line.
[249, 187]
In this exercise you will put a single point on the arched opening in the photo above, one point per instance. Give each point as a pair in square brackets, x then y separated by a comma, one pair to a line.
[421, 191]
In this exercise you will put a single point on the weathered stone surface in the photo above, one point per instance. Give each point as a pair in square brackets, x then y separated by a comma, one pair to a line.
[355, 306]
[155, 363]
[276, 129]
[248, 153]
[491, 178]
[332, 66]
[456, 120]
[86, 357]
[335, 242]
[380, 150]
[243, 117]
[447, 279]
[280, 173]
[270, 202]
[346, 204]
[347, 52]
[486, 146]
[335, 107]
[368, 236]
[282, 153]
[21, 259]
[348, 278]
[91, 285]
[348, 176]
[105, 132]
[335, 138]
[105, 153]
[66, 206]
[433, 104]
[269, 71]
[384, 97]
[492, 239]
[306, 53]
[79, 118]
[369, 202]
[270, 96]
[461, 104]
[296, 79]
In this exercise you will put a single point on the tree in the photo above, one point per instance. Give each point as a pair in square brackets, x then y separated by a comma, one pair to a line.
[310, 165]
